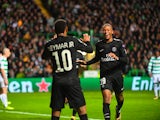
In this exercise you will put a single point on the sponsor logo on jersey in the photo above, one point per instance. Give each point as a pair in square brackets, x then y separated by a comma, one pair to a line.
[107, 58]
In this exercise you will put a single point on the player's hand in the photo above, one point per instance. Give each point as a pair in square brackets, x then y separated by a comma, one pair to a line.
[86, 38]
[113, 56]
[81, 62]
[83, 66]
[55, 36]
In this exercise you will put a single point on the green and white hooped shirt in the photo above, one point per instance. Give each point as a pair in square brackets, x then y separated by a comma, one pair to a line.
[4, 65]
[154, 65]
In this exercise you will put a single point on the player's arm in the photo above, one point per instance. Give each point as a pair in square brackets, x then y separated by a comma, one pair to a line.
[123, 58]
[45, 54]
[4, 76]
[95, 59]
[150, 67]
[84, 44]
[83, 62]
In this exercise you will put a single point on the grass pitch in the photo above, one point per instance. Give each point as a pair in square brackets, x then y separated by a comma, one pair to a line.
[35, 106]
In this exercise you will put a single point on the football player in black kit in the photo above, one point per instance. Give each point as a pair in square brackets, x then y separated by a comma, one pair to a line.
[62, 53]
[112, 56]
[79, 57]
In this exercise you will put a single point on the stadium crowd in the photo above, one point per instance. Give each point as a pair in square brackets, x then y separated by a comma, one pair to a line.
[25, 30]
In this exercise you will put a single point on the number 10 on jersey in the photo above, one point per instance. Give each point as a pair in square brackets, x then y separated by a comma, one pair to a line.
[66, 60]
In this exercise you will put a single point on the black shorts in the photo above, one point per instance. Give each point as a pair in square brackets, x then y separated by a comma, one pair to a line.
[73, 93]
[112, 82]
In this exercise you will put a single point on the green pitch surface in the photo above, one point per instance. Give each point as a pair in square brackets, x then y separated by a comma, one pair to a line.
[35, 106]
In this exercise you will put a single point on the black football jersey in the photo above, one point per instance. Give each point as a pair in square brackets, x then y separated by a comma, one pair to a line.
[62, 51]
[79, 56]
[109, 65]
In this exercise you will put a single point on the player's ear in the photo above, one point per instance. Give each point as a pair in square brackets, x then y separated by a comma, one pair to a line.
[113, 32]
[66, 29]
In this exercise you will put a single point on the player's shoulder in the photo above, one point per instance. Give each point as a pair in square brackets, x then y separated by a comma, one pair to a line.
[101, 41]
[71, 38]
[50, 41]
[153, 57]
[2, 58]
[53, 40]
[117, 40]
[74, 38]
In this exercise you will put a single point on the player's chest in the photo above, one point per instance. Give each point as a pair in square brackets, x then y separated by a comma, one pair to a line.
[107, 48]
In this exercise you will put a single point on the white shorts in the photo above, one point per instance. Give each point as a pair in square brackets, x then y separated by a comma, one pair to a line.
[156, 78]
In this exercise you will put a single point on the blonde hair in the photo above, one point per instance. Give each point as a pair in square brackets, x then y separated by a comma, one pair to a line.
[107, 24]
[5, 49]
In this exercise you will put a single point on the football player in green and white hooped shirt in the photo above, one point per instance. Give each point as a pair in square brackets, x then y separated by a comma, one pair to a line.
[154, 72]
[4, 77]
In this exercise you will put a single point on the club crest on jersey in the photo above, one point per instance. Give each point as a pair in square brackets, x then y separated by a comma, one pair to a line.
[114, 49]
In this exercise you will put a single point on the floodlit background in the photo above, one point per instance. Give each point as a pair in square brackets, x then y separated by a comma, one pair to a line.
[26, 25]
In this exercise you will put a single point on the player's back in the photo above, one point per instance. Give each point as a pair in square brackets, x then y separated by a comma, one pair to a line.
[62, 51]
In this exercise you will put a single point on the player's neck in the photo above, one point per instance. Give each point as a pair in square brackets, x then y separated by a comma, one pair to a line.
[109, 40]
[4, 56]
[61, 34]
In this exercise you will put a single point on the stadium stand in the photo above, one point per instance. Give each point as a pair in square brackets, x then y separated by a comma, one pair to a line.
[24, 29]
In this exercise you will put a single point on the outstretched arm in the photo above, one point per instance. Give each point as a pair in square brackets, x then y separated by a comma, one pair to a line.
[84, 44]
[83, 62]
[93, 60]
[45, 54]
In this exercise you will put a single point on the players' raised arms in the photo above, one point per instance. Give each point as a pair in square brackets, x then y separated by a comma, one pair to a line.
[86, 38]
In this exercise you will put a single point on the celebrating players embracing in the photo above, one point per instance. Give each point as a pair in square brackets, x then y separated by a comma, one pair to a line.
[62, 52]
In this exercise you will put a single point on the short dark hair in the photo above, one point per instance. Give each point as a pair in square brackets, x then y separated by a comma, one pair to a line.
[60, 26]
[156, 50]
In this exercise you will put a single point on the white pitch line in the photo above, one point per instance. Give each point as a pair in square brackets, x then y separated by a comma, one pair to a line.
[24, 113]
[38, 114]
[29, 113]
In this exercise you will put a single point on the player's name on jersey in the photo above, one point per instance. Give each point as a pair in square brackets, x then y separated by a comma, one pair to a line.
[61, 46]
